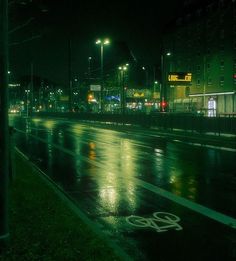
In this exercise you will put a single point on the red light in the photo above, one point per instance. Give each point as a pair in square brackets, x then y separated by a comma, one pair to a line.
[163, 104]
[234, 76]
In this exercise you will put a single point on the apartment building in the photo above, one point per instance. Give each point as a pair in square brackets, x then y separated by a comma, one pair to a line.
[200, 73]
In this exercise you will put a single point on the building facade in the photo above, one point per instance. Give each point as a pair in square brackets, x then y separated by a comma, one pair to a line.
[202, 43]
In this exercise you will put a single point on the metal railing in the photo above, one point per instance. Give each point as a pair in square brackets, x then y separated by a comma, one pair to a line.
[165, 121]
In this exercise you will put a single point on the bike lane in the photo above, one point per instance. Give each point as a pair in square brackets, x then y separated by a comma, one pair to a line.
[149, 226]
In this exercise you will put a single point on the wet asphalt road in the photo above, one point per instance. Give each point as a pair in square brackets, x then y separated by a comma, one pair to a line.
[124, 181]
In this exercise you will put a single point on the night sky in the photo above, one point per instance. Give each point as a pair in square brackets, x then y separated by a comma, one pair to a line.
[130, 26]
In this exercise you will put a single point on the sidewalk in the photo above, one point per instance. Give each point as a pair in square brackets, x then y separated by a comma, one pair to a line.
[43, 227]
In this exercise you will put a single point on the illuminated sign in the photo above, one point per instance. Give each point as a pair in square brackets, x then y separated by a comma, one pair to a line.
[180, 77]
[138, 94]
[95, 88]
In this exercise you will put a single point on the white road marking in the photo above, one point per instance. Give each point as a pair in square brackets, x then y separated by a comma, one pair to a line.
[160, 222]
[210, 213]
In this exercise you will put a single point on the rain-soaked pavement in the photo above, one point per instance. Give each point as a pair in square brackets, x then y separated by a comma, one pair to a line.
[155, 199]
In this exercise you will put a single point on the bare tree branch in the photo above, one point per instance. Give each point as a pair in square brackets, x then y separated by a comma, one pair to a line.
[21, 26]
[26, 40]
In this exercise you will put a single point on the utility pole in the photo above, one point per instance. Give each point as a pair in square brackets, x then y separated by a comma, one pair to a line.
[102, 80]
[32, 86]
[4, 129]
[69, 77]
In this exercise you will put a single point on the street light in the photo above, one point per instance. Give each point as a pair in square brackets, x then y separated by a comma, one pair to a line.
[27, 102]
[102, 43]
[163, 89]
[89, 68]
[123, 69]
[146, 75]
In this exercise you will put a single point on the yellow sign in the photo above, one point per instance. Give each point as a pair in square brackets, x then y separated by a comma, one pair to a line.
[138, 94]
[180, 77]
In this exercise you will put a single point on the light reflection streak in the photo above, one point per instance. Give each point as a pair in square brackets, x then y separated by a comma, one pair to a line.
[49, 124]
[92, 152]
[120, 161]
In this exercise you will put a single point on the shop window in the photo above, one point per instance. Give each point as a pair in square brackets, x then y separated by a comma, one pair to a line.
[211, 106]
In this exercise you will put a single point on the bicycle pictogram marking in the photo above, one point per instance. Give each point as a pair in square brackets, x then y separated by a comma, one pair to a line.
[161, 221]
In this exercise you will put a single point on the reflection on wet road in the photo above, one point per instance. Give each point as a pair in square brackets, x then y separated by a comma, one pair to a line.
[114, 175]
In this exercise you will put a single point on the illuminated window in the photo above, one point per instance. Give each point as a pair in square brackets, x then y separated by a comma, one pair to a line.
[209, 82]
[222, 65]
[222, 79]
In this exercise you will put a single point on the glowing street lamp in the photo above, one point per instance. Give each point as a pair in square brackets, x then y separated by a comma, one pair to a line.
[123, 69]
[102, 43]
[163, 90]
[27, 102]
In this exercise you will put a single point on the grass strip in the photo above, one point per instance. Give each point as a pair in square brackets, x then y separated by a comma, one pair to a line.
[42, 227]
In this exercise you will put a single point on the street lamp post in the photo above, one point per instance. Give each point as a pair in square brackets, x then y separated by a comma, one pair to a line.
[89, 68]
[163, 85]
[123, 69]
[102, 43]
[27, 102]
[146, 76]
